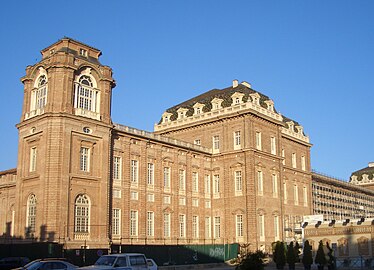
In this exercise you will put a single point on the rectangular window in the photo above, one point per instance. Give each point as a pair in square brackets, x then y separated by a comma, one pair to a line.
[182, 180]
[182, 226]
[33, 156]
[260, 183]
[197, 142]
[195, 227]
[195, 182]
[167, 224]
[296, 194]
[237, 140]
[134, 195]
[276, 228]
[208, 228]
[134, 171]
[151, 197]
[303, 163]
[195, 202]
[258, 141]
[217, 227]
[117, 171]
[275, 185]
[133, 223]
[207, 204]
[117, 193]
[238, 182]
[182, 201]
[273, 146]
[207, 184]
[283, 156]
[215, 144]
[305, 191]
[166, 199]
[239, 225]
[116, 222]
[150, 223]
[261, 226]
[216, 185]
[84, 159]
[150, 174]
[166, 177]
[285, 193]
[293, 160]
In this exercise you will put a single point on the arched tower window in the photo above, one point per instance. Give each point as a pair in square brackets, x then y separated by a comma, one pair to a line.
[86, 96]
[82, 214]
[39, 93]
[31, 214]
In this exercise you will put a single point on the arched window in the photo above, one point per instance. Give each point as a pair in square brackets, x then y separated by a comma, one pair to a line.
[82, 214]
[31, 213]
[86, 96]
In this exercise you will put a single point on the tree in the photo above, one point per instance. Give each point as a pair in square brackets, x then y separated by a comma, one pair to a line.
[320, 258]
[307, 256]
[291, 256]
[252, 261]
[279, 256]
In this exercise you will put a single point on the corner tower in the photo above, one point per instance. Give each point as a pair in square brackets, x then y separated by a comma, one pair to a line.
[63, 168]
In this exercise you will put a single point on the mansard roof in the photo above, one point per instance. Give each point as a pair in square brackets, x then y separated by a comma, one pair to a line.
[369, 170]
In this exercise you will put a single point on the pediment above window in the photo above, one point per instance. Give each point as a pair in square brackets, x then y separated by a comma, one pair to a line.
[255, 97]
[237, 98]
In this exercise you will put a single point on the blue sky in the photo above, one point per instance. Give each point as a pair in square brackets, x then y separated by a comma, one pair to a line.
[315, 59]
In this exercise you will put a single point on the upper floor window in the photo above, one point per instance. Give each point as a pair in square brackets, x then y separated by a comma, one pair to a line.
[216, 185]
[116, 221]
[273, 147]
[33, 156]
[275, 185]
[82, 214]
[238, 182]
[303, 165]
[87, 97]
[197, 142]
[133, 223]
[117, 168]
[215, 143]
[41, 93]
[237, 140]
[134, 171]
[293, 160]
[83, 52]
[207, 184]
[195, 182]
[150, 173]
[166, 177]
[85, 159]
[239, 226]
[258, 141]
[283, 156]
[182, 180]
[31, 214]
[260, 183]
[182, 226]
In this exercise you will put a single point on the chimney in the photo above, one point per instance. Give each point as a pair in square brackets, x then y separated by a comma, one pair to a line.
[235, 83]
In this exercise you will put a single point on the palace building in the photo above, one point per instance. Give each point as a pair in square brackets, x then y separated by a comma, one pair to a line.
[222, 167]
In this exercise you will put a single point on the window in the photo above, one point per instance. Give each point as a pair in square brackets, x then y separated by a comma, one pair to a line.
[182, 201]
[260, 183]
[293, 160]
[133, 223]
[296, 194]
[305, 192]
[151, 197]
[40, 94]
[166, 224]
[285, 192]
[182, 180]
[117, 171]
[84, 159]
[274, 180]
[239, 225]
[207, 204]
[86, 96]
[195, 202]
[216, 144]
[208, 228]
[150, 223]
[258, 141]
[82, 214]
[217, 227]
[216, 185]
[261, 226]
[195, 227]
[134, 195]
[150, 174]
[238, 182]
[195, 182]
[31, 214]
[276, 228]
[273, 147]
[207, 184]
[166, 199]
[116, 193]
[237, 140]
[134, 171]
[83, 52]
[303, 163]
[116, 221]
[197, 142]
[33, 156]
[166, 177]
[182, 226]
[283, 156]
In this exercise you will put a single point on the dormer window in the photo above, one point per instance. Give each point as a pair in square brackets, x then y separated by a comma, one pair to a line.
[299, 129]
[255, 98]
[83, 52]
[237, 98]
[216, 103]
[198, 108]
[182, 113]
[166, 117]
[270, 105]
[291, 125]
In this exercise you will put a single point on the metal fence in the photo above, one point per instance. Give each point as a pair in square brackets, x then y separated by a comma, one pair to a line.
[355, 263]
